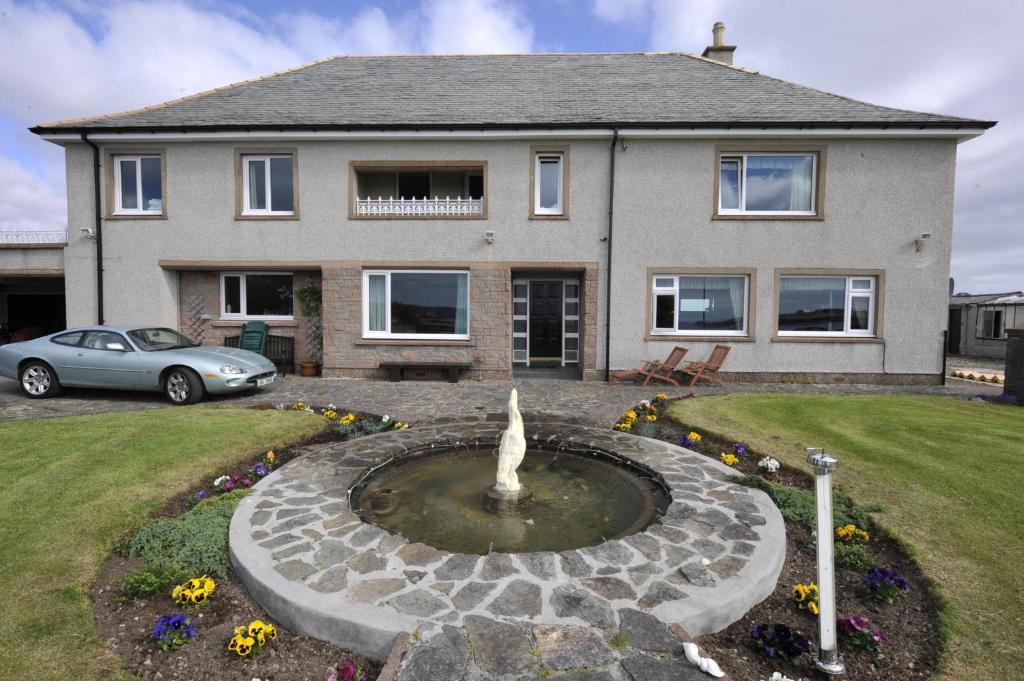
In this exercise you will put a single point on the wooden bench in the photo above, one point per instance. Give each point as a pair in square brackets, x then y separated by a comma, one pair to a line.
[396, 370]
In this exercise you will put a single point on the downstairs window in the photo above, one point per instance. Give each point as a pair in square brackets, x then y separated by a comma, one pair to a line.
[423, 304]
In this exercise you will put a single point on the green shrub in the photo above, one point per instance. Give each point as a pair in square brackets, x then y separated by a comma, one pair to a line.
[196, 541]
[798, 505]
[646, 429]
[854, 556]
[149, 580]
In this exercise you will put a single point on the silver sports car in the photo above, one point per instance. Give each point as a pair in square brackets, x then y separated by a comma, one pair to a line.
[132, 358]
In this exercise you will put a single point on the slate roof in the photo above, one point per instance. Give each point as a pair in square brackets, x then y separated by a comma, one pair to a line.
[512, 91]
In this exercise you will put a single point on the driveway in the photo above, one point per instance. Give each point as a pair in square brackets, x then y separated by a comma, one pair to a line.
[592, 402]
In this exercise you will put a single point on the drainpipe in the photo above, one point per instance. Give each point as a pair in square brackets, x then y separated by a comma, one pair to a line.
[98, 226]
[608, 271]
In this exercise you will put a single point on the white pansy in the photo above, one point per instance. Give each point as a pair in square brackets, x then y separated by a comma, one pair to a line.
[768, 465]
[221, 480]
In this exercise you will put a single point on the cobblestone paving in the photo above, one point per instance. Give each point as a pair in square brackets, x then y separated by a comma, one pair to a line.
[716, 552]
[416, 401]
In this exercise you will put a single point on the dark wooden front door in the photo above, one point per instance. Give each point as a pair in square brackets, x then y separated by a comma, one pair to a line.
[546, 321]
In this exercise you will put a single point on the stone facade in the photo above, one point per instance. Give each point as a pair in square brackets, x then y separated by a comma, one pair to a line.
[489, 349]
[199, 312]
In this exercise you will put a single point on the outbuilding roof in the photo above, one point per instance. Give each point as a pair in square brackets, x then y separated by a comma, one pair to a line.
[670, 89]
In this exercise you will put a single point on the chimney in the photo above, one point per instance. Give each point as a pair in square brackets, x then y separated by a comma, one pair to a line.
[718, 50]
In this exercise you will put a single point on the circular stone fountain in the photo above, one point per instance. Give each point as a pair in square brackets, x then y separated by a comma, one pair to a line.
[366, 539]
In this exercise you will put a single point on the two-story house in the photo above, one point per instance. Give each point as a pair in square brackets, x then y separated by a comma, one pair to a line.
[579, 211]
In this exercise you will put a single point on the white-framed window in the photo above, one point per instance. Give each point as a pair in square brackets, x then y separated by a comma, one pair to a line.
[268, 184]
[548, 189]
[783, 183]
[699, 304]
[815, 305]
[424, 304]
[257, 295]
[138, 186]
[990, 324]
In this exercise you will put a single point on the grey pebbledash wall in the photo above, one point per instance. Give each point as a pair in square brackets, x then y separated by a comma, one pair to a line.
[880, 194]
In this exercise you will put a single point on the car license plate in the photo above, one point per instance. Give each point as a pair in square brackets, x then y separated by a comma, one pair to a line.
[260, 382]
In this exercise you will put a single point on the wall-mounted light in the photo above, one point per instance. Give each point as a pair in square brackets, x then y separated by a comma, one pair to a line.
[88, 232]
[489, 237]
[919, 243]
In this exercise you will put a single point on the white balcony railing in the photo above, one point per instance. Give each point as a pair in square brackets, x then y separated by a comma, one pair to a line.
[419, 207]
[33, 236]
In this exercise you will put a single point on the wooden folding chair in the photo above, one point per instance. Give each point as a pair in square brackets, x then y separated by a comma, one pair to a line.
[708, 371]
[654, 371]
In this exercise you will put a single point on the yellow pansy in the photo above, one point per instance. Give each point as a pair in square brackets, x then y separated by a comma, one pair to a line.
[729, 459]
[694, 437]
[271, 456]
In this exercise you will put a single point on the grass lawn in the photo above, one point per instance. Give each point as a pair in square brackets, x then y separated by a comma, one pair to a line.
[71, 487]
[951, 476]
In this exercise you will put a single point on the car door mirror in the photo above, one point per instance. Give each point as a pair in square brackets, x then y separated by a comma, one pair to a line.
[118, 347]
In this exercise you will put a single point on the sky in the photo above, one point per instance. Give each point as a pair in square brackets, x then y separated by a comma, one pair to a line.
[76, 58]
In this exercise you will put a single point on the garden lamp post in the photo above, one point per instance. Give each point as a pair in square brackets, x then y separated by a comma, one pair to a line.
[828, 651]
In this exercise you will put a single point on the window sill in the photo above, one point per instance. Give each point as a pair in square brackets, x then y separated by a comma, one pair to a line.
[279, 323]
[828, 339]
[292, 216]
[699, 339]
[534, 216]
[742, 216]
[414, 341]
[139, 216]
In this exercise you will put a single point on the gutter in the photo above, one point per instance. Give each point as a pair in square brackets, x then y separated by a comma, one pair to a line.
[98, 226]
[608, 269]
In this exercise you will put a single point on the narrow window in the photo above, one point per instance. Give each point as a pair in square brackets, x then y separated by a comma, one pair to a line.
[138, 186]
[700, 305]
[827, 306]
[767, 184]
[416, 304]
[548, 184]
[268, 184]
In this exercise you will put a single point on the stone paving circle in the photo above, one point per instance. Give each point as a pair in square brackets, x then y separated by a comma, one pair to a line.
[316, 567]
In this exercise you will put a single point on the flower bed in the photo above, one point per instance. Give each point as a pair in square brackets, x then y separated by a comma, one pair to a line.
[888, 619]
[169, 621]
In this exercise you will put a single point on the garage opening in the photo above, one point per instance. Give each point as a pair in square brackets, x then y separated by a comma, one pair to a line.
[31, 307]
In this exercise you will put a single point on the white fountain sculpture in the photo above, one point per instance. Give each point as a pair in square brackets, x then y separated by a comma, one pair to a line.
[511, 449]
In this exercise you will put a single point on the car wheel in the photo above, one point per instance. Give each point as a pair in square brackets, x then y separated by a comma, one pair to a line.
[183, 386]
[39, 380]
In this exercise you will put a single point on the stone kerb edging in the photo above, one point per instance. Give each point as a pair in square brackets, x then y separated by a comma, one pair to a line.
[318, 569]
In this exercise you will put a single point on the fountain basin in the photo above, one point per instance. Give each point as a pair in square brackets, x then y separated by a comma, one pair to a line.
[572, 497]
[318, 568]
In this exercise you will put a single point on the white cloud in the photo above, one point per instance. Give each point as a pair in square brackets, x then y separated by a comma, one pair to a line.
[26, 201]
[632, 11]
[475, 27]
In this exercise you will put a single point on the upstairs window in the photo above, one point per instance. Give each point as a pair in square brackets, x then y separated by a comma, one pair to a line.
[256, 295]
[827, 306]
[697, 305]
[138, 185]
[268, 185]
[768, 184]
[549, 175]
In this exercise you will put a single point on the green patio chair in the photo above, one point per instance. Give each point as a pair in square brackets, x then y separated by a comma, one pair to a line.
[254, 337]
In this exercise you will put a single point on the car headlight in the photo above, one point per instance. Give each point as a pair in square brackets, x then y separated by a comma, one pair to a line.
[231, 369]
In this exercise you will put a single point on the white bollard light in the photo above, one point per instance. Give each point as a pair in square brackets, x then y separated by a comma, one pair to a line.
[828, 650]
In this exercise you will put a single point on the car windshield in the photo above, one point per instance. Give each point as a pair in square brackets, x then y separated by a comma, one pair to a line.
[155, 339]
